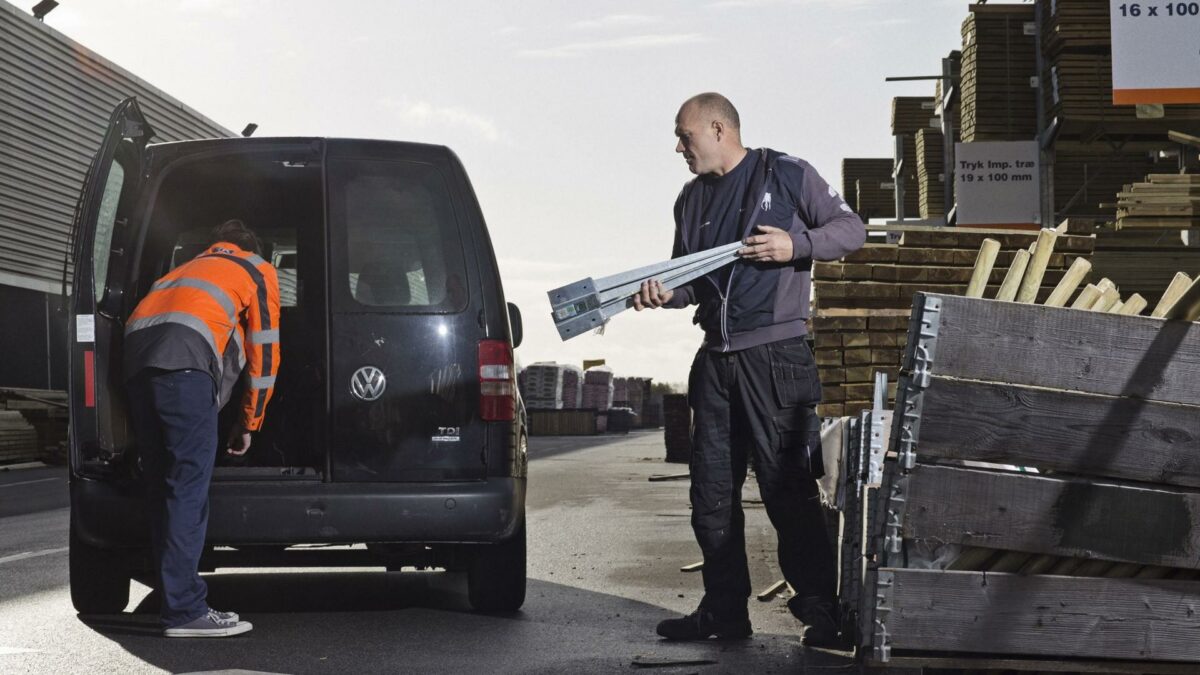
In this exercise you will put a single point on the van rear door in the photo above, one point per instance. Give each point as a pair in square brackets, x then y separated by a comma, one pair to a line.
[99, 251]
[406, 320]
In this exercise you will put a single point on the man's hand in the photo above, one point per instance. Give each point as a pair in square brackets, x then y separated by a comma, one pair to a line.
[773, 245]
[238, 442]
[652, 295]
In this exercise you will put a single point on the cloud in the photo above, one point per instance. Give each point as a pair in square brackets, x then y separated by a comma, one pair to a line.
[633, 42]
[426, 114]
[616, 21]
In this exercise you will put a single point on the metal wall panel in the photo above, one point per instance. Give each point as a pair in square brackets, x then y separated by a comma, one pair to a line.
[55, 98]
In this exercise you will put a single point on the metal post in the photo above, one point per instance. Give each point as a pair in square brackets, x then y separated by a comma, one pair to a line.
[898, 177]
[949, 92]
[1045, 139]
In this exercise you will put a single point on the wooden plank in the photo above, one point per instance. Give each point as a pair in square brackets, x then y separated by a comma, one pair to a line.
[1059, 430]
[1187, 307]
[1174, 291]
[983, 267]
[1032, 281]
[1050, 515]
[995, 613]
[1059, 348]
[900, 661]
[1012, 280]
[973, 239]
[1070, 281]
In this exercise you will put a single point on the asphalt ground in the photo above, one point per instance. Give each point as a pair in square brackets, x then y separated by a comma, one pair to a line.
[605, 548]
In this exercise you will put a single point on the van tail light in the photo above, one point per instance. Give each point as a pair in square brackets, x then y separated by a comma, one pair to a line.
[497, 381]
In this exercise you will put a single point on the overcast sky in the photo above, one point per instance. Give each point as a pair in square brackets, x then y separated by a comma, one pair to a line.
[563, 112]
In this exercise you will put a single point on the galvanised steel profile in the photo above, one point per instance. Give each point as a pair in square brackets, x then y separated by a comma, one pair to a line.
[589, 303]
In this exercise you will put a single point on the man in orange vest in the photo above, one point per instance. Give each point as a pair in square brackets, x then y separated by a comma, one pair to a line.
[206, 323]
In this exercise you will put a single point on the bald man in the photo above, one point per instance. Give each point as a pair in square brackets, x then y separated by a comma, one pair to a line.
[753, 386]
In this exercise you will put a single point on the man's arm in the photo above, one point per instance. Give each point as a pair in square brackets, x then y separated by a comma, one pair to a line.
[261, 325]
[834, 230]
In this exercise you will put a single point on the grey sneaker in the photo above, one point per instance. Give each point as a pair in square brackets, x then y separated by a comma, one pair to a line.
[212, 624]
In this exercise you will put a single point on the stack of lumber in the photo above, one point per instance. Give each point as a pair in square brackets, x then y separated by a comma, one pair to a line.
[863, 301]
[911, 114]
[1047, 468]
[18, 438]
[998, 60]
[1088, 176]
[677, 427]
[931, 174]
[868, 188]
[562, 422]
[1163, 201]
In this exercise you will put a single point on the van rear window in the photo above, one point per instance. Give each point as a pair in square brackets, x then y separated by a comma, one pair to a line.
[401, 247]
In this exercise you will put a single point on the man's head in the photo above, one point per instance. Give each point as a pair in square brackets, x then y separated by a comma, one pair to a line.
[709, 133]
[235, 232]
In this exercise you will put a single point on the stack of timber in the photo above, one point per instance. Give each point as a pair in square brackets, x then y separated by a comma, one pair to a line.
[954, 109]
[562, 422]
[863, 301]
[1043, 497]
[33, 425]
[998, 62]
[931, 174]
[677, 427]
[1087, 176]
[867, 186]
[911, 114]
[1144, 261]
[1163, 201]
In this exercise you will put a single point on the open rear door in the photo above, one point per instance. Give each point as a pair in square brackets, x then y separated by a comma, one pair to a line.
[98, 248]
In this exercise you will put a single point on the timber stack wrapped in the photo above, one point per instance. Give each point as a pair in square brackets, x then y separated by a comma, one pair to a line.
[862, 303]
[867, 186]
[998, 63]
[1042, 497]
[677, 427]
[911, 114]
[931, 174]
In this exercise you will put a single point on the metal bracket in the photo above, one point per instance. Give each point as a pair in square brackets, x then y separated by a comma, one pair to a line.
[909, 424]
[925, 345]
[883, 608]
[897, 496]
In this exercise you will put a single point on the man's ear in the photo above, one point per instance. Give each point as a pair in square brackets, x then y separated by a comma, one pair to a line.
[718, 128]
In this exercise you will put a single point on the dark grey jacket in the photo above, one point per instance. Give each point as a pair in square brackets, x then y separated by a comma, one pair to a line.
[757, 302]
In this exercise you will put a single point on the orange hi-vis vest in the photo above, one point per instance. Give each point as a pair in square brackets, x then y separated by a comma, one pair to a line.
[218, 312]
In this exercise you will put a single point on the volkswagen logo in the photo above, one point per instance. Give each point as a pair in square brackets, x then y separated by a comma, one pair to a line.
[367, 383]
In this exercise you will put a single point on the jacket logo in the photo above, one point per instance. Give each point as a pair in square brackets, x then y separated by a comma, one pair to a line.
[368, 383]
[766, 202]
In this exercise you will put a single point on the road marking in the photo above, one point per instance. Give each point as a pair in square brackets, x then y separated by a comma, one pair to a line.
[29, 482]
[33, 554]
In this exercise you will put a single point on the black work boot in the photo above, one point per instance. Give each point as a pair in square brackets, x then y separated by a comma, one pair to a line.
[703, 624]
[820, 618]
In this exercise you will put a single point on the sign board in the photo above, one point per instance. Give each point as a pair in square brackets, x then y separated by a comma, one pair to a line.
[1155, 51]
[997, 183]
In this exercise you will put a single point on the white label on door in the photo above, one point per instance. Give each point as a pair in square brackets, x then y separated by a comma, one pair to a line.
[85, 328]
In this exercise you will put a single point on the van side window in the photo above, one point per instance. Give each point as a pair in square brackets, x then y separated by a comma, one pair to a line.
[105, 225]
[402, 244]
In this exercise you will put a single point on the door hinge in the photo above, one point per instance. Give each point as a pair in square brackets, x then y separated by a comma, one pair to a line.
[925, 345]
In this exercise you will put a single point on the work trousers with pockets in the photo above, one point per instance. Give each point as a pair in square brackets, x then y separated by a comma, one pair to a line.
[762, 401]
[175, 420]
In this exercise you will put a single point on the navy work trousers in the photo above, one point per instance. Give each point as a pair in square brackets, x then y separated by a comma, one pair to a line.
[758, 401]
[175, 420]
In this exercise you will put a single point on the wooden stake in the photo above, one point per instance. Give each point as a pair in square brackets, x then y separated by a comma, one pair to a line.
[984, 263]
[1070, 281]
[1133, 306]
[1174, 291]
[1107, 299]
[1187, 307]
[1012, 280]
[1032, 281]
[1086, 298]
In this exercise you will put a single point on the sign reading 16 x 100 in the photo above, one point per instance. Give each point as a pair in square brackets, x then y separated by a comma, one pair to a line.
[1169, 9]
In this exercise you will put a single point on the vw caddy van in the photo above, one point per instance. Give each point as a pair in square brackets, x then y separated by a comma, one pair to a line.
[396, 434]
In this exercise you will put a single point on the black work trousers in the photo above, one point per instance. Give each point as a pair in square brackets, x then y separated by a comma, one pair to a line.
[759, 400]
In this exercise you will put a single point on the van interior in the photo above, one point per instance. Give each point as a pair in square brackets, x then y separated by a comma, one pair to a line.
[281, 200]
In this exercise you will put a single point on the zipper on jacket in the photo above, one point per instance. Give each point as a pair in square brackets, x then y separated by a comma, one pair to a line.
[733, 270]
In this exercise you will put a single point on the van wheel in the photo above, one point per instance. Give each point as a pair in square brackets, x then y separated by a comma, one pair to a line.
[99, 578]
[496, 576]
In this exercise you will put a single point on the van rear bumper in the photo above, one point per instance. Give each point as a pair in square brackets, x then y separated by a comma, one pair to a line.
[111, 515]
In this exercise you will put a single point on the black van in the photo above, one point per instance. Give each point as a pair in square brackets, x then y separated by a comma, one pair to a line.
[396, 435]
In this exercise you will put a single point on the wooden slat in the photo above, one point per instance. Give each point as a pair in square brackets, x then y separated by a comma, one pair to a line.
[1064, 349]
[1031, 513]
[987, 612]
[1060, 430]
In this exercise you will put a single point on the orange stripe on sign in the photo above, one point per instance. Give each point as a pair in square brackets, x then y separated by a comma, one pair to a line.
[1166, 96]
[89, 379]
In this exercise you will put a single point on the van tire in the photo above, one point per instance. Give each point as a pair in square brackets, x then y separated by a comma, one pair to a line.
[99, 578]
[496, 576]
